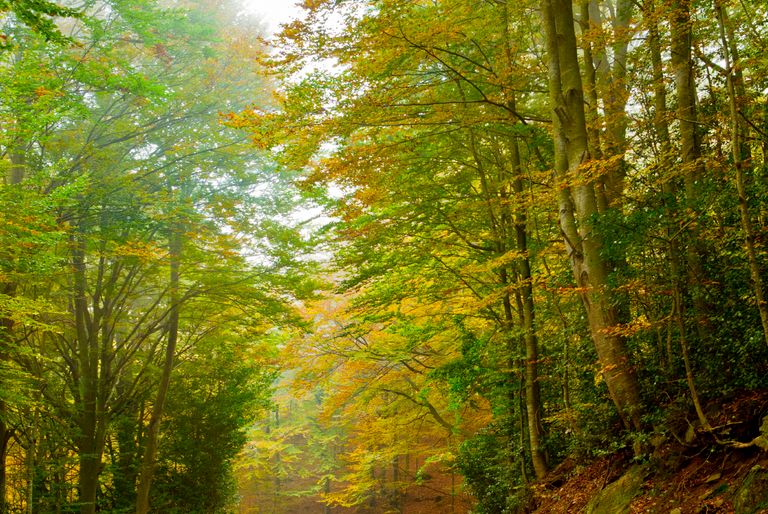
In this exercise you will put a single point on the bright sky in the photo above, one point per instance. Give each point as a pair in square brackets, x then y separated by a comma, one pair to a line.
[273, 12]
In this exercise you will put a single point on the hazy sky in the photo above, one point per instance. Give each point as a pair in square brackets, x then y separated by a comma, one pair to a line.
[273, 12]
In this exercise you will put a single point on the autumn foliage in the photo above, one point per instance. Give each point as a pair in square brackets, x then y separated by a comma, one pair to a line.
[403, 256]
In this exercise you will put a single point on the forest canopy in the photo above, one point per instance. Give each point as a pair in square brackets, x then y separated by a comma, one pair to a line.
[402, 256]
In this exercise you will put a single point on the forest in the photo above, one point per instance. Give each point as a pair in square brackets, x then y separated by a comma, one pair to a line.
[401, 256]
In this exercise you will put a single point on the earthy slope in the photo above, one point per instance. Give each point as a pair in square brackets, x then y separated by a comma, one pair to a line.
[688, 473]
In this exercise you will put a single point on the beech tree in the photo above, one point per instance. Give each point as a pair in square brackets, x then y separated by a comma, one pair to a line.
[578, 208]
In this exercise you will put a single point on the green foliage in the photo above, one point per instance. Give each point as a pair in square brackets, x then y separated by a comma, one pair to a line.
[108, 146]
[215, 398]
[37, 15]
[488, 463]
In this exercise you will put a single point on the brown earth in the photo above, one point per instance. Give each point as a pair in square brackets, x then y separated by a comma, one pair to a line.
[690, 472]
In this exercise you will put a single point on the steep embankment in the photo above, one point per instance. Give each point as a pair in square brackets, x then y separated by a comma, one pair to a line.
[689, 472]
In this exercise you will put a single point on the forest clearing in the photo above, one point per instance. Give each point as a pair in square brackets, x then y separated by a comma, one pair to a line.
[383, 256]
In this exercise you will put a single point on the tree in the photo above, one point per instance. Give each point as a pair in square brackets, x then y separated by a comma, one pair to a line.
[148, 114]
[578, 208]
[39, 16]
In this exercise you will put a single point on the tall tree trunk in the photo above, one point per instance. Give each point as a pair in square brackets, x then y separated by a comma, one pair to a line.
[661, 127]
[126, 428]
[30, 460]
[501, 224]
[5, 437]
[660, 121]
[578, 208]
[607, 83]
[690, 151]
[518, 221]
[397, 496]
[590, 92]
[90, 441]
[741, 159]
[518, 397]
[527, 314]
[661, 131]
[153, 430]
[15, 177]
[616, 95]
[684, 349]
[18, 168]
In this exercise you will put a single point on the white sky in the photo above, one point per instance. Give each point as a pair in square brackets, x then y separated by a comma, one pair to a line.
[273, 12]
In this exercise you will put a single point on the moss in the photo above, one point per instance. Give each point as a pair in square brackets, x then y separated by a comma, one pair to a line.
[753, 493]
[616, 497]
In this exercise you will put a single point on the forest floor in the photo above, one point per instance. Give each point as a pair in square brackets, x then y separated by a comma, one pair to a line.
[688, 472]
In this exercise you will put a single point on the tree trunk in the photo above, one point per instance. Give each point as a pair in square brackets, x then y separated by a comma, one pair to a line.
[660, 122]
[590, 93]
[690, 151]
[741, 160]
[91, 440]
[519, 222]
[616, 95]
[5, 437]
[15, 177]
[607, 83]
[661, 131]
[527, 314]
[578, 208]
[661, 128]
[397, 497]
[126, 428]
[153, 430]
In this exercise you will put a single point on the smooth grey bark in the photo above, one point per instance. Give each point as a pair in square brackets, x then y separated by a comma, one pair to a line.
[661, 128]
[578, 209]
[510, 232]
[605, 83]
[661, 132]
[515, 220]
[591, 96]
[690, 154]
[527, 315]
